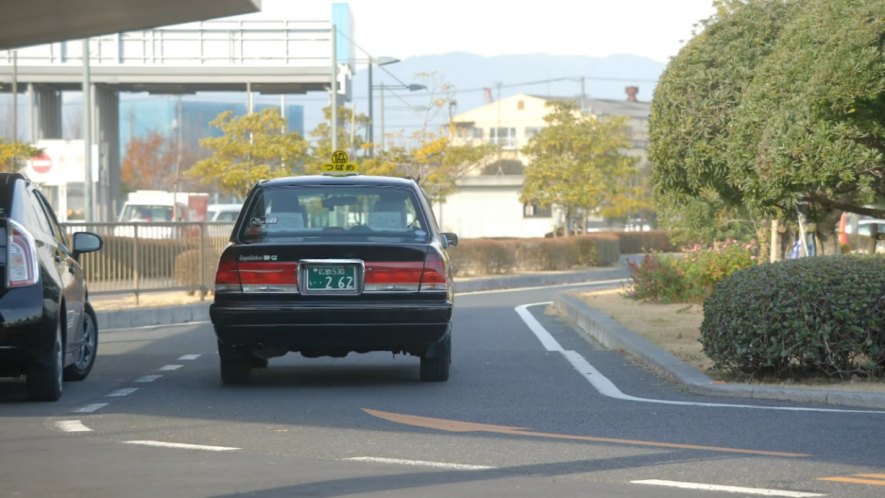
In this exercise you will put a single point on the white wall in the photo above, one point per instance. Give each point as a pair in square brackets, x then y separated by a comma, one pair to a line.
[488, 212]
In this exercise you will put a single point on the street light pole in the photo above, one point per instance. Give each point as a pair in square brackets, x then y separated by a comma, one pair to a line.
[370, 131]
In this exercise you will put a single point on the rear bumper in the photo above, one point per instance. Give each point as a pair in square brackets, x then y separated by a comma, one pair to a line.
[22, 340]
[333, 329]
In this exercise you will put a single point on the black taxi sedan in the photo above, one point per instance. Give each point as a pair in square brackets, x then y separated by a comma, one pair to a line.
[329, 265]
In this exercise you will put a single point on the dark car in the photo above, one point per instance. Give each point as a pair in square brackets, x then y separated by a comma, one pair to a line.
[48, 330]
[326, 266]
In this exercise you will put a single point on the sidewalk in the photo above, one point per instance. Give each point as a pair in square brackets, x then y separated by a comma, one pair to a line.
[115, 312]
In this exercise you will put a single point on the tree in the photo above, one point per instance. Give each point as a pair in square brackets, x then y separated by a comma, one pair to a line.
[694, 104]
[252, 148]
[10, 152]
[577, 162]
[776, 109]
[155, 163]
[809, 133]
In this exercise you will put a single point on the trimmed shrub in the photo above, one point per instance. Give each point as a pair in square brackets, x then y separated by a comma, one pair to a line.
[644, 242]
[187, 268]
[481, 256]
[820, 315]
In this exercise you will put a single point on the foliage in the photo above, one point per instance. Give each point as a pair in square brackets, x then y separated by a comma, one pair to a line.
[576, 162]
[187, 266]
[15, 151]
[640, 242]
[155, 163]
[810, 126]
[252, 148]
[821, 315]
[690, 276]
[776, 105]
[492, 256]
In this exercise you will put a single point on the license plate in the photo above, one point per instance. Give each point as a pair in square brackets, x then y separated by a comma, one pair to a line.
[332, 278]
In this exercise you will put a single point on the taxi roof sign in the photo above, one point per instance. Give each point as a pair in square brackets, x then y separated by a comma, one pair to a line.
[341, 165]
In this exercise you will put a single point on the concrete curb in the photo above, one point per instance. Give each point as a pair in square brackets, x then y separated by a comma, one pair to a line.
[617, 337]
[146, 317]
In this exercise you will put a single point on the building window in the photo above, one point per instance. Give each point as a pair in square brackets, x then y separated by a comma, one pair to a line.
[531, 131]
[477, 133]
[533, 210]
[520, 105]
[505, 137]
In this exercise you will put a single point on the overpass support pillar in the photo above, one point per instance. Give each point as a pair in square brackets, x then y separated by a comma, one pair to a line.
[106, 134]
[45, 106]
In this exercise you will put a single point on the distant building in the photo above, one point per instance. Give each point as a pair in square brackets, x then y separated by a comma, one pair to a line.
[142, 115]
[486, 202]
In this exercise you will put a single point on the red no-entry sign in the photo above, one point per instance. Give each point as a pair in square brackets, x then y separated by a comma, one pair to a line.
[41, 163]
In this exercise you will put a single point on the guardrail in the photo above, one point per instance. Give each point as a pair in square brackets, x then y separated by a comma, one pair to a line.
[153, 256]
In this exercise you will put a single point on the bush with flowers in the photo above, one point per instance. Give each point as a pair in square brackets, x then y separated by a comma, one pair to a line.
[691, 275]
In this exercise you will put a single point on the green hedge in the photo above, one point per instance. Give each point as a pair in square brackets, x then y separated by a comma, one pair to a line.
[821, 315]
[497, 256]
[187, 268]
[643, 242]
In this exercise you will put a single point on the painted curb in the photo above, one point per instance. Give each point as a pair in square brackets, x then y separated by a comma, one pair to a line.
[617, 337]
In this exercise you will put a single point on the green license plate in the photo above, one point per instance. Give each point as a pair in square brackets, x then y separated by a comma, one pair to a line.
[332, 278]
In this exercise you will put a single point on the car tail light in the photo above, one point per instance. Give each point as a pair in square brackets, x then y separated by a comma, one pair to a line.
[433, 278]
[393, 276]
[256, 276]
[21, 267]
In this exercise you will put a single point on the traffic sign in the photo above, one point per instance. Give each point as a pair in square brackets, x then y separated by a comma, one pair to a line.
[41, 163]
[341, 164]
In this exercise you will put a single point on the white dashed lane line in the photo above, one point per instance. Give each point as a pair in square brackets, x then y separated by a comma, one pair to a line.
[169, 368]
[419, 463]
[71, 426]
[119, 393]
[727, 489]
[189, 357]
[90, 408]
[147, 378]
[181, 446]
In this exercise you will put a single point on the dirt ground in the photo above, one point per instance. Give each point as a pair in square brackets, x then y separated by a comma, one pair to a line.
[676, 328]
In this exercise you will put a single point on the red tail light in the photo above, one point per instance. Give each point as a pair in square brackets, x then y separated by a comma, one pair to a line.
[256, 276]
[393, 276]
[433, 278]
[21, 267]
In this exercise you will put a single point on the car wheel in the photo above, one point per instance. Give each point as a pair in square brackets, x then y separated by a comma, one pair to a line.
[45, 378]
[88, 347]
[235, 368]
[435, 368]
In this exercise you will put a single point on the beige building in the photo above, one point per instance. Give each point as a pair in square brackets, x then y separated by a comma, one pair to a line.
[486, 202]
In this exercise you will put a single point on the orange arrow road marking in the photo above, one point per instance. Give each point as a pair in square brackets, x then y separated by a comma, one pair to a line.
[459, 426]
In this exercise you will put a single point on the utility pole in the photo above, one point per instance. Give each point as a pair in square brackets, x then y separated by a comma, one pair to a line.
[87, 131]
[334, 89]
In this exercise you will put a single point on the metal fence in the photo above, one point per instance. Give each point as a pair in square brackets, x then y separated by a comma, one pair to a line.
[153, 256]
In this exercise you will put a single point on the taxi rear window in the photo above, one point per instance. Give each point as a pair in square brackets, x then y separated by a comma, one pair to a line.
[360, 213]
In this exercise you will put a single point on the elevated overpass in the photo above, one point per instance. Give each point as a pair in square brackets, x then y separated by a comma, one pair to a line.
[270, 57]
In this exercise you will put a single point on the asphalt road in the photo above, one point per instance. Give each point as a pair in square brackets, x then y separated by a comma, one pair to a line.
[528, 411]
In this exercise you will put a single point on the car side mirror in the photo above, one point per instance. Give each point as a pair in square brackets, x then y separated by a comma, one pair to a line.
[450, 239]
[86, 242]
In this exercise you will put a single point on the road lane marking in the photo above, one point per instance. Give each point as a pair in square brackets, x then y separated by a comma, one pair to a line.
[119, 393]
[460, 426]
[727, 489]
[147, 378]
[169, 368]
[90, 408]
[71, 426]
[536, 287]
[188, 357]
[607, 388]
[420, 463]
[870, 479]
[181, 446]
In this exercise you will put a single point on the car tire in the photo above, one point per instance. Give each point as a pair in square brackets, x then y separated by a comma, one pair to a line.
[435, 368]
[235, 368]
[45, 379]
[80, 369]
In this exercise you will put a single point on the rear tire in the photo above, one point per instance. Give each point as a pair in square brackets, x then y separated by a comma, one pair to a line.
[45, 379]
[235, 368]
[88, 347]
[436, 368]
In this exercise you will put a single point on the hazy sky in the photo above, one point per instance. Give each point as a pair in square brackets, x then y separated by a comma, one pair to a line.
[407, 28]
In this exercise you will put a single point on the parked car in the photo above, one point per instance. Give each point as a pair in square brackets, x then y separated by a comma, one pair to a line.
[48, 330]
[326, 266]
[221, 218]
